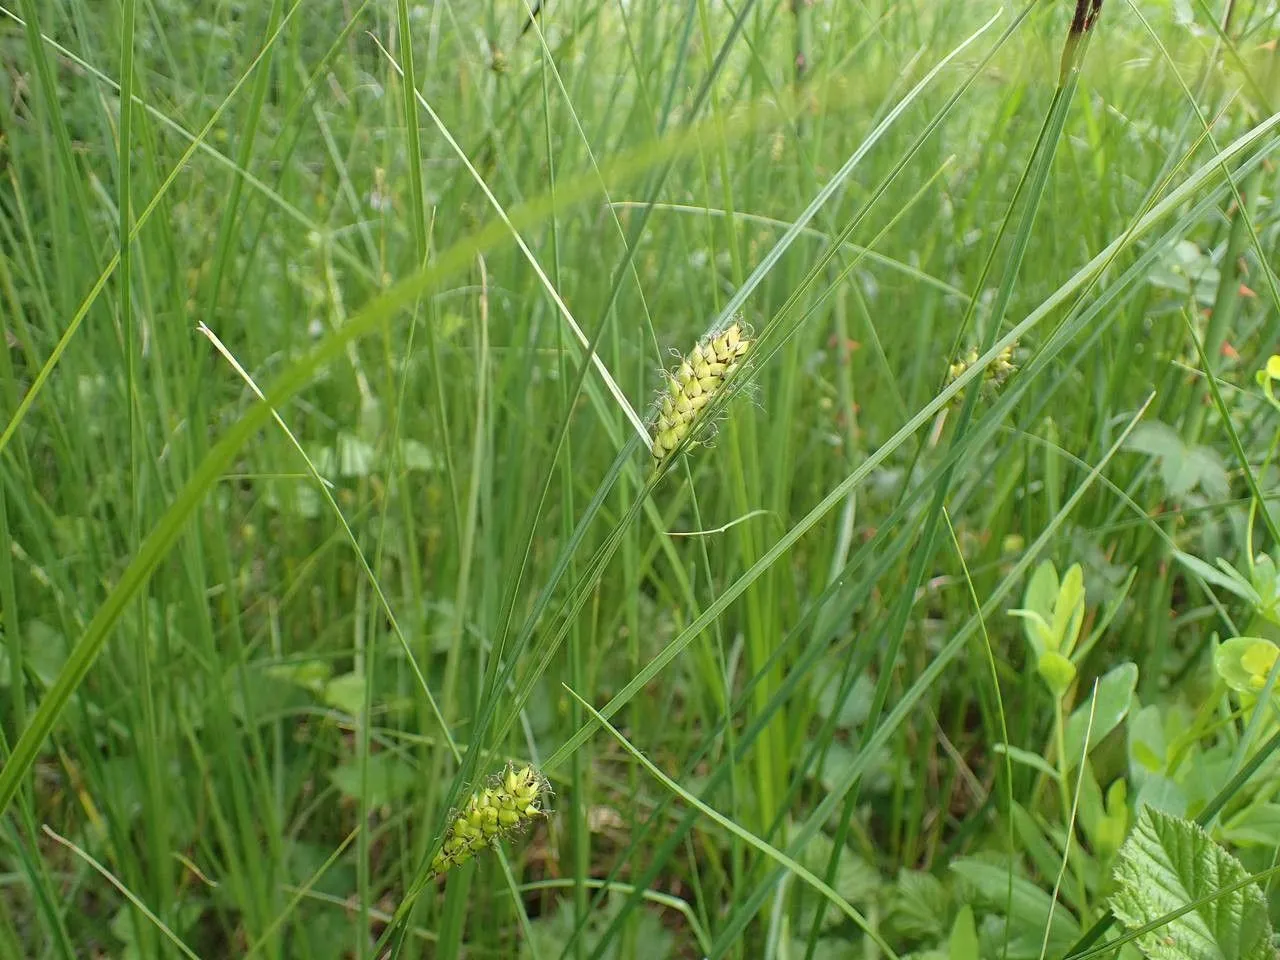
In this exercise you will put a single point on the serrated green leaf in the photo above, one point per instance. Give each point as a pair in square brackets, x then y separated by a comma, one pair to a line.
[855, 880]
[1210, 472]
[1155, 439]
[918, 906]
[1168, 863]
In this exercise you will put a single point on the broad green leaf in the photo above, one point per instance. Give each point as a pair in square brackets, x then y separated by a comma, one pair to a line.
[963, 942]
[1041, 852]
[1114, 696]
[1105, 820]
[1030, 906]
[552, 932]
[1116, 824]
[1042, 588]
[346, 693]
[1039, 632]
[1057, 671]
[389, 779]
[826, 948]
[1155, 439]
[1210, 472]
[854, 708]
[1092, 810]
[353, 457]
[1148, 743]
[1256, 825]
[855, 880]
[309, 674]
[44, 651]
[417, 456]
[1182, 468]
[1168, 863]
[1161, 793]
[1264, 581]
[1037, 606]
[918, 906]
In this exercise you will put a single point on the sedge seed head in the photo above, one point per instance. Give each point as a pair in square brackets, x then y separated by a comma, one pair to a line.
[694, 383]
[510, 802]
[996, 373]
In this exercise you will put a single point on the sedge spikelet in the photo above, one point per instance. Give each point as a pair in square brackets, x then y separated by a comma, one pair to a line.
[511, 802]
[998, 370]
[694, 383]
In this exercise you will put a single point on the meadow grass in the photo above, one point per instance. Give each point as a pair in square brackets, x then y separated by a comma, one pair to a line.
[329, 387]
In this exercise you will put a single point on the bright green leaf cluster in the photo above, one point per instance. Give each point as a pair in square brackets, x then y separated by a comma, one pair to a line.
[1052, 615]
[1245, 663]
[1267, 378]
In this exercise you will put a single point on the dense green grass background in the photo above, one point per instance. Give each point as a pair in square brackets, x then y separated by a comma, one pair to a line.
[238, 703]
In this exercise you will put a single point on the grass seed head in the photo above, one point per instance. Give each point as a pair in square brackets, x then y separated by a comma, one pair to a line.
[511, 802]
[694, 383]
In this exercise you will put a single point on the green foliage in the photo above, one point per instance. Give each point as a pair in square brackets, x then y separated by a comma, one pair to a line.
[1168, 865]
[1245, 663]
[1183, 467]
[553, 933]
[257, 659]
[1024, 908]
[1101, 712]
[1052, 614]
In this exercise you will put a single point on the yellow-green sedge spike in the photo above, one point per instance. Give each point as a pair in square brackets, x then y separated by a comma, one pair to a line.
[511, 802]
[693, 384]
